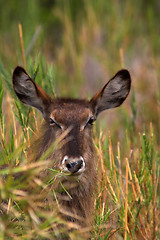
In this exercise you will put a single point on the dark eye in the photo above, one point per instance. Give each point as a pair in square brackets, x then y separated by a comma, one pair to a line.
[90, 121]
[53, 122]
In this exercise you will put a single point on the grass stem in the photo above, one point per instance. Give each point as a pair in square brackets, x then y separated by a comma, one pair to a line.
[22, 44]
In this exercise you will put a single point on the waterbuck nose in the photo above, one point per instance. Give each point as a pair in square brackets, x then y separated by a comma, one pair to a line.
[73, 165]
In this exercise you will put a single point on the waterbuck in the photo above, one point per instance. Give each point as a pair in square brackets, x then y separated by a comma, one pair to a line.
[76, 156]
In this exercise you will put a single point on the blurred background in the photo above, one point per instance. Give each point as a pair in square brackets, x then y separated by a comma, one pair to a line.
[72, 48]
[83, 44]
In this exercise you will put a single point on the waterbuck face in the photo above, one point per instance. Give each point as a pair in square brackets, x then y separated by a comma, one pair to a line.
[75, 115]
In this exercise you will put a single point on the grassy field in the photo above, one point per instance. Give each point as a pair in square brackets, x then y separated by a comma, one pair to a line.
[72, 48]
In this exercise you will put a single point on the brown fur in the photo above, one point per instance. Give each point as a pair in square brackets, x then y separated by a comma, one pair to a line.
[76, 117]
[72, 113]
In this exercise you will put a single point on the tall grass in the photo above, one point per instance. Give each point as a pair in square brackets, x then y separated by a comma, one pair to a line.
[84, 44]
[126, 206]
[127, 202]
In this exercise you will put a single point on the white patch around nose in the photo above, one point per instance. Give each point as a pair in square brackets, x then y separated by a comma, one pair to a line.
[66, 158]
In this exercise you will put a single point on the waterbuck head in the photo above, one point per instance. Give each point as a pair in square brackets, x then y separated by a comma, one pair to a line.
[76, 155]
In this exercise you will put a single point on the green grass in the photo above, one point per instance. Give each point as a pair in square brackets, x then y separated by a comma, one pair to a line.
[80, 45]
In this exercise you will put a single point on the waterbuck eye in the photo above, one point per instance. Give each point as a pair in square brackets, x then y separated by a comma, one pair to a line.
[53, 122]
[90, 121]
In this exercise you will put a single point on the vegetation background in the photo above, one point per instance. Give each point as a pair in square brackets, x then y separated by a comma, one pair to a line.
[73, 48]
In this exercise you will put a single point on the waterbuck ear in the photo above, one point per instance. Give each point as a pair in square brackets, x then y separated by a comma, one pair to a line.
[113, 93]
[28, 91]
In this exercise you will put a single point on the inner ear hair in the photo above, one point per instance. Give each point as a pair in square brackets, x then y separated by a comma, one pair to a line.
[113, 93]
[28, 91]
